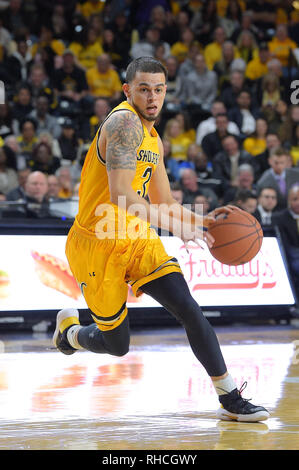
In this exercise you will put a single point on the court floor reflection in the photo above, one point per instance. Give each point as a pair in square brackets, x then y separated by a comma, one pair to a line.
[156, 397]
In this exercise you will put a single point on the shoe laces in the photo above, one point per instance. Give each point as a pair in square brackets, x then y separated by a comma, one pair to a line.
[239, 392]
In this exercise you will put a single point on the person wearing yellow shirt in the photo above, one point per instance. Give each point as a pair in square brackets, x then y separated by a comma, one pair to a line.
[281, 45]
[256, 143]
[213, 51]
[178, 138]
[46, 40]
[91, 7]
[257, 67]
[180, 49]
[88, 50]
[103, 80]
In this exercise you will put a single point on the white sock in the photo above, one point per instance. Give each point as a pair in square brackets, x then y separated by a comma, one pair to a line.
[223, 386]
[72, 336]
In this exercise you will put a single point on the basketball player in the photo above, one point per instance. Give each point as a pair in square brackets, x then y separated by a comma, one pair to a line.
[110, 246]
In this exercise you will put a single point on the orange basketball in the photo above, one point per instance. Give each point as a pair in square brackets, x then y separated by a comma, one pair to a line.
[238, 238]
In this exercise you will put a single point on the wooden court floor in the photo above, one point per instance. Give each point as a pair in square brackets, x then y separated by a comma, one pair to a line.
[156, 397]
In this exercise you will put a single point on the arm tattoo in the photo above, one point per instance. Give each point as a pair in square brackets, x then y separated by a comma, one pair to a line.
[124, 134]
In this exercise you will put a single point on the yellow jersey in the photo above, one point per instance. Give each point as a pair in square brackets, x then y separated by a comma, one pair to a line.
[97, 215]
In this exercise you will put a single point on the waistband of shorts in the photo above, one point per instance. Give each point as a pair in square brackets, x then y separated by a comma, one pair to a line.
[77, 228]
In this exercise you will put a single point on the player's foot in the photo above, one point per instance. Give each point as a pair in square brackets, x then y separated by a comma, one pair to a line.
[64, 320]
[235, 408]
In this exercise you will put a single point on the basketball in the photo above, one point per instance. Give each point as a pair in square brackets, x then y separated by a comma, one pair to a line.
[238, 238]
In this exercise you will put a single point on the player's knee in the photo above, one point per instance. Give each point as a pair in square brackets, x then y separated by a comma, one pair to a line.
[188, 312]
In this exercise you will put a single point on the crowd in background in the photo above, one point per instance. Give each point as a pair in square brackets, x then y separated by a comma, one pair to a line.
[230, 122]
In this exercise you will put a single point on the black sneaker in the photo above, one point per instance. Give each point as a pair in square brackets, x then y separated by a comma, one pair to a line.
[64, 320]
[235, 408]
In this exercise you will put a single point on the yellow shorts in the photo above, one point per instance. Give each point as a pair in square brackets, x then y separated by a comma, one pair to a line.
[105, 268]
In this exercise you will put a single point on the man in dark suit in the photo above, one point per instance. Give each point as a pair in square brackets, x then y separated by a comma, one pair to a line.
[244, 114]
[212, 143]
[279, 176]
[267, 201]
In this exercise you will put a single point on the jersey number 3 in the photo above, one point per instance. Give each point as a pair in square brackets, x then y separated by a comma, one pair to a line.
[147, 176]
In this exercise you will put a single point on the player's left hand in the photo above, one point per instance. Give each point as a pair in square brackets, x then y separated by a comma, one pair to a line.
[219, 212]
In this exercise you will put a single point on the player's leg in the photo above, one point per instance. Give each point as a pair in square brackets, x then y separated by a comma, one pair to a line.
[70, 335]
[172, 292]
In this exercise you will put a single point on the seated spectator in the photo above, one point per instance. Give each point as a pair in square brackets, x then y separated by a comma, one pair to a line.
[205, 21]
[179, 140]
[36, 188]
[247, 46]
[27, 138]
[203, 169]
[47, 42]
[271, 91]
[277, 117]
[191, 189]
[39, 84]
[262, 159]
[244, 180]
[65, 182]
[8, 170]
[53, 187]
[267, 202]
[199, 90]
[116, 49]
[209, 125]
[122, 29]
[68, 141]
[43, 159]
[104, 81]
[188, 64]
[21, 107]
[213, 50]
[255, 144]
[88, 49]
[180, 49]
[89, 128]
[212, 142]
[286, 132]
[201, 205]
[246, 200]
[18, 193]
[146, 45]
[69, 81]
[186, 123]
[90, 7]
[294, 150]
[227, 162]
[287, 223]
[230, 16]
[45, 121]
[172, 66]
[244, 114]
[19, 62]
[257, 66]
[47, 138]
[279, 176]
[177, 192]
[223, 66]
[231, 92]
[281, 46]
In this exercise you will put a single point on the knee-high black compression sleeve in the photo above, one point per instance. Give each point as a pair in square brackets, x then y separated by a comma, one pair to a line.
[172, 292]
[115, 342]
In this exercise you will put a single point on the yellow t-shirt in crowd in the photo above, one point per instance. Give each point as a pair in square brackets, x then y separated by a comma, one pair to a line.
[256, 69]
[89, 8]
[254, 146]
[87, 56]
[282, 49]
[179, 146]
[103, 84]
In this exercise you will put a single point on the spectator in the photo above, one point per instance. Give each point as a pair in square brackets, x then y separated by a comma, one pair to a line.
[91, 7]
[246, 200]
[232, 17]
[255, 144]
[267, 201]
[65, 182]
[247, 25]
[191, 189]
[18, 193]
[53, 187]
[227, 162]
[8, 173]
[257, 66]
[180, 49]
[20, 61]
[223, 66]
[281, 46]
[88, 49]
[43, 159]
[172, 66]
[245, 180]
[271, 91]
[27, 139]
[213, 50]
[146, 46]
[264, 15]
[204, 170]
[231, 92]
[68, 141]
[39, 84]
[244, 114]
[36, 189]
[178, 139]
[100, 112]
[104, 81]
[209, 125]
[189, 63]
[122, 30]
[5, 120]
[212, 142]
[161, 20]
[199, 89]
[69, 81]
[294, 150]
[201, 205]
[279, 176]
[262, 159]
[286, 131]
[45, 121]
[205, 22]
[21, 107]
[247, 46]
[117, 50]
[47, 43]
[177, 192]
